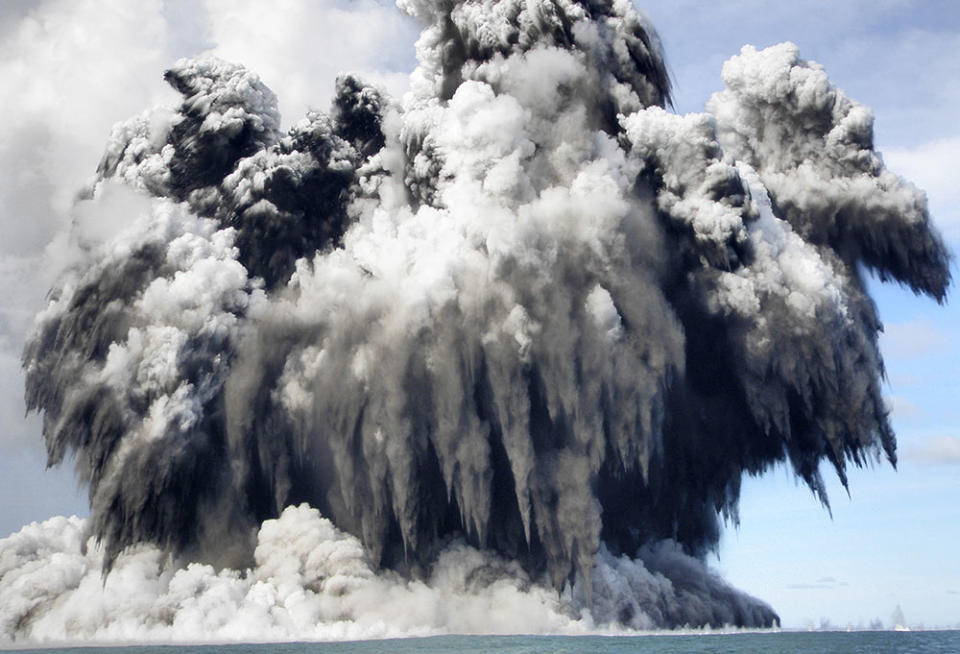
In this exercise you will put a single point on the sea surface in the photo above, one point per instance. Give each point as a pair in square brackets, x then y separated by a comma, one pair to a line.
[868, 642]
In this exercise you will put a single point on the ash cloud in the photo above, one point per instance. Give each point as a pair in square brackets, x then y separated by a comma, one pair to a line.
[524, 316]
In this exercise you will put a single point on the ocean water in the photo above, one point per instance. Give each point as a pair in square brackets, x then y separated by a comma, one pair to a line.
[871, 642]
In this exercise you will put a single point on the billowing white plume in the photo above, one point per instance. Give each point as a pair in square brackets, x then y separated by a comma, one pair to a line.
[311, 581]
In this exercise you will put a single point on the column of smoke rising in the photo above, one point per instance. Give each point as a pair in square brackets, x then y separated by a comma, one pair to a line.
[527, 308]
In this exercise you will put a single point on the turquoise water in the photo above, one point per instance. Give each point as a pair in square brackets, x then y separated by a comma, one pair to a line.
[875, 642]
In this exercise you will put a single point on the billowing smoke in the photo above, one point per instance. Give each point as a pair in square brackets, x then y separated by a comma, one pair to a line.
[309, 580]
[524, 329]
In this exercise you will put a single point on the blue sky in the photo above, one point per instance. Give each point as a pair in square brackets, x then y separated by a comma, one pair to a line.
[892, 541]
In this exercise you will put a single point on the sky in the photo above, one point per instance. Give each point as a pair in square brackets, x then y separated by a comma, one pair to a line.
[75, 68]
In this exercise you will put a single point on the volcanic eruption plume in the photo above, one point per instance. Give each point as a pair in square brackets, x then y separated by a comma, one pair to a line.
[525, 327]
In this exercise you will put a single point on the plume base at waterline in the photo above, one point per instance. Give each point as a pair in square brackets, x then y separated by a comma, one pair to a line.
[313, 582]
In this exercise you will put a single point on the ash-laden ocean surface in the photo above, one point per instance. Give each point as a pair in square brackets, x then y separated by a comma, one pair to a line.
[871, 642]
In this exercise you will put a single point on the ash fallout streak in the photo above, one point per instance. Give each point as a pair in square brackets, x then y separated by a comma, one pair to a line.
[526, 309]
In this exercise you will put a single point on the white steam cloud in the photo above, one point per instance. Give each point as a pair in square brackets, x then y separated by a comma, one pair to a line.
[311, 581]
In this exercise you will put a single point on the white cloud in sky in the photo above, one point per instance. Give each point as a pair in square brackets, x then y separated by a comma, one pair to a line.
[933, 166]
[299, 47]
[942, 450]
[901, 407]
[912, 339]
[823, 583]
[68, 72]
